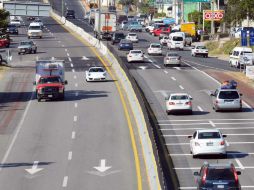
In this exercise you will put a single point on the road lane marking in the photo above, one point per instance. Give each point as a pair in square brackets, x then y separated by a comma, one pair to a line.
[224, 134]
[75, 118]
[165, 71]
[71, 65]
[75, 77]
[177, 68]
[205, 123]
[212, 123]
[230, 143]
[156, 65]
[228, 153]
[63, 45]
[239, 163]
[200, 109]
[200, 128]
[70, 155]
[68, 55]
[73, 70]
[76, 84]
[73, 135]
[173, 78]
[59, 42]
[207, 120]
[69, 59]
[65, 181]
[76, 105]
[65, 50]
[180, 86]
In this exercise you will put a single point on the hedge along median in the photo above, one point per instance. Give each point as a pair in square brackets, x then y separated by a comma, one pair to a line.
[147, 147]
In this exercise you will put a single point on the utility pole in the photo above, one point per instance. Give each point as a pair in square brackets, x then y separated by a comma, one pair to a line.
[62, 8]
[99, 21]
[212, 19]
[182, 11]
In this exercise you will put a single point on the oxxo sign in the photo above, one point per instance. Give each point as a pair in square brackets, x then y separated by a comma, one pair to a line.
[217, 15]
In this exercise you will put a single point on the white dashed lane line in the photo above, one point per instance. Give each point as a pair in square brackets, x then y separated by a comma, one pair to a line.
[212, 123]
[73, 70]
[65, 50]
[75, 77]
[200, 109]
[173, 78]
[76, 105]
[75, 118]
[180, 86]
[69, 59]
[165, 71]
[73, 135]
[71, 65]
[70, 155]
[65, 181]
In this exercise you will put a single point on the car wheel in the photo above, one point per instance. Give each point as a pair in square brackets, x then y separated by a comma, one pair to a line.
[19, 53]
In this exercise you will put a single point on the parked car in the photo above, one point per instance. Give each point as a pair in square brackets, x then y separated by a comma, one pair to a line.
[95, 74]
[132, 37]
[237, 52]
[217, 176]
[179, 102]
[226, 99]
[154, 49]
[125, 45]
[12, 29]
[27, 47]
[172, 58]
[130, 17]
[70, 14]
[207, 142]
[199, 50]
[135, 56]
[117, 37]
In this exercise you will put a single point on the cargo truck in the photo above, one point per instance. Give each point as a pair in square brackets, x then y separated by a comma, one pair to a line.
[189, 27]
[49, 79]
[107, 25]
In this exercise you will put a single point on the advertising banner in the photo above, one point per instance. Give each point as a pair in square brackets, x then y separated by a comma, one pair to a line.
[217, 15]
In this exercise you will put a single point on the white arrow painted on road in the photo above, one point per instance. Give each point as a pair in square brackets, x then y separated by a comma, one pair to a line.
[84, 58]
[102, 167]
[34, 168]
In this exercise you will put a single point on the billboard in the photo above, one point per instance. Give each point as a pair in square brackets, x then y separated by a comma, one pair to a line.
[217, 15]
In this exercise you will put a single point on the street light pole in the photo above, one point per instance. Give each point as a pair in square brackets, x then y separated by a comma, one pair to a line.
[212, 19]
[62, 8]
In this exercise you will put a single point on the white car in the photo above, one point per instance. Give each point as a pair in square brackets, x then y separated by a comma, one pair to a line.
[164, 40]
[16, 22]
[96, 74]
[207, 142]
[199, 50]
[39, 22]
[135, 56]
[154, 49]
[132, 37]
[179, 102]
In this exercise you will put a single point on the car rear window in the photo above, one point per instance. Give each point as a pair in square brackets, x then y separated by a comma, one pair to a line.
[156, 46]
[96, 70]
[209, 135]
[172, 55]
[220, 174]
[228, 95]
[178, 38]
[182, 97]
[132, 34]
[136, 51]
[119, 35]
[201, 47]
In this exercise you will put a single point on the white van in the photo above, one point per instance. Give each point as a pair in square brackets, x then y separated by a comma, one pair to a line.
[175, 41]
[34, 30]
[234, 57]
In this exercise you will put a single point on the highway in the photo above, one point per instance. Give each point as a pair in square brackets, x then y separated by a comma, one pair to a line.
[83, 142]
[157, 82]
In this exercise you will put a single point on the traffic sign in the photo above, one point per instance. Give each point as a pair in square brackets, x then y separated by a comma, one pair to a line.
[251, 37]
[217, 15]
[243, 37]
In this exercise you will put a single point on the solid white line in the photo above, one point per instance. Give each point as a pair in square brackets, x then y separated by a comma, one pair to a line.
[230, 143]
[70, 155]
[200, 109]
[75, 118]
[75, 77]
[73, 134]
[69, 59]
[17, 131]
[240, 143]
[73, 70]
[76, 84]
[71, 65]
[173, 78]
[65, 181]
[230, 153]
[198, 168]
[187, 188]
[239, 163]
[242, 123]
[212, 123]
[68, 55]
[224, 134]
[180, 86]
[174, 144]
[199, 128]
[65, 50]
[165, 71]
[76, 105]
[182, 124]
[207, 120]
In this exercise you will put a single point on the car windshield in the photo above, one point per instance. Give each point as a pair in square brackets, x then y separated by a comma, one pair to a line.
[132, 34]
[136, 52]
[178, 38]
[25, 43]
[179, 97]
[95, 70]
[200, 47]
[209, 135]
[228, 95]
[220, 174]
[34, 27]
[156, 46]
[49, 80]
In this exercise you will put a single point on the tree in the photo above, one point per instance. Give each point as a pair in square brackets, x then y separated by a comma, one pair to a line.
[3, 18]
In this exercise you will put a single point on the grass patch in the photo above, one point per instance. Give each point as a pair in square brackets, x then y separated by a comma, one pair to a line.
[213, 47]
[229, 45]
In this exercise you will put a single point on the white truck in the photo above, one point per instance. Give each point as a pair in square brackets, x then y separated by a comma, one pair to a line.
[246, 59]
[105, 28]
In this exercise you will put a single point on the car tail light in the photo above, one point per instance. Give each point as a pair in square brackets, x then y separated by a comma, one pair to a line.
[235, 174]
[188, 103]
[222, 143]
[197, 144]
[204, 176]
[171, 103]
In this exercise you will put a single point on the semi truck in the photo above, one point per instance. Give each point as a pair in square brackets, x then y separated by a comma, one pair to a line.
[49, 79]
[104, 28]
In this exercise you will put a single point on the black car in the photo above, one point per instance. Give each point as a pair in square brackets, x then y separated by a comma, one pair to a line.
[12, 29]
[125, 45]
[117, 37]
[218, 176]
[70, 14]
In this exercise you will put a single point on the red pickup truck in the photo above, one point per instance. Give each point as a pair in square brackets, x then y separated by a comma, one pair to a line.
[158, 31]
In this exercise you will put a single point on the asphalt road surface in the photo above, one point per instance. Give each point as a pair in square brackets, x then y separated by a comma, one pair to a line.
[157, 82]
[59, 144]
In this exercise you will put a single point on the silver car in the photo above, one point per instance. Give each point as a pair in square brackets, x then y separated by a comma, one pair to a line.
[27, 47]
[226, 99]
[172, 58]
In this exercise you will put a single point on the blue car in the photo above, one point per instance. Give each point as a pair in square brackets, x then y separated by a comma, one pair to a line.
[135, 26]
[125, 45]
